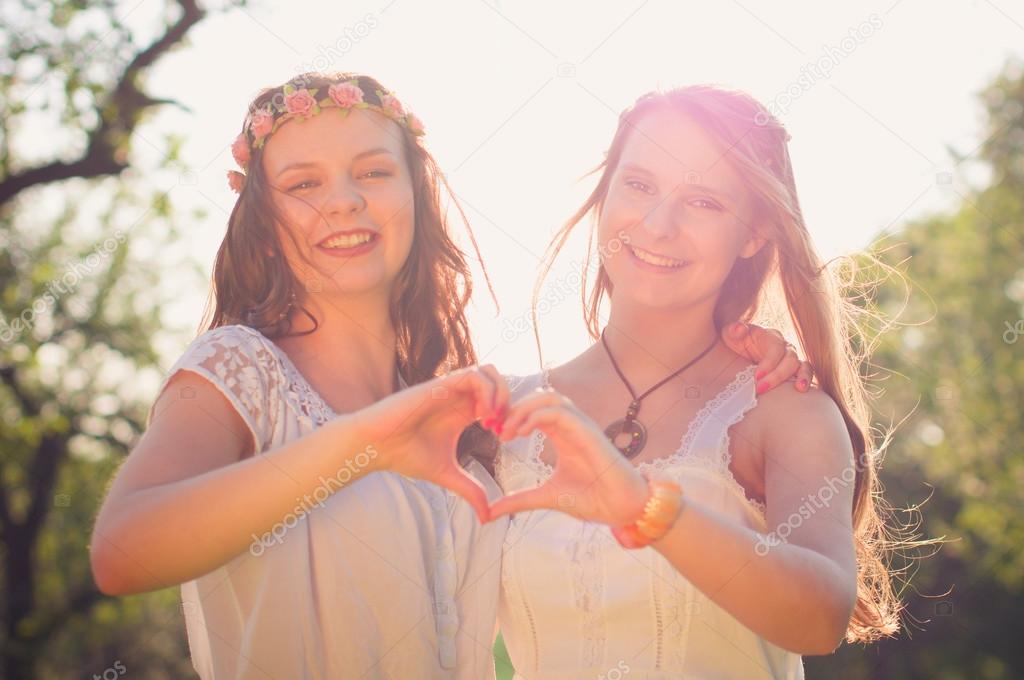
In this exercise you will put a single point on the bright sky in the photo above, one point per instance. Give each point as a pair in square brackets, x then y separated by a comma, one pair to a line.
[521, 99]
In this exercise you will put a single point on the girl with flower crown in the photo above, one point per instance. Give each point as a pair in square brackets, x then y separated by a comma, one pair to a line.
[308, 472]
[744, 528]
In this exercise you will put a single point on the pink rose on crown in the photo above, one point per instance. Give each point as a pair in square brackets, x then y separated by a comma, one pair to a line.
[261, 124]
[415, 124]
[345, 95]
[392, 105]
[300, 103]
[236, 181]
[240, 150]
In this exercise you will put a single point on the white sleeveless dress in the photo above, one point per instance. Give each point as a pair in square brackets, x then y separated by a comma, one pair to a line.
[574, 604]
[390, 578]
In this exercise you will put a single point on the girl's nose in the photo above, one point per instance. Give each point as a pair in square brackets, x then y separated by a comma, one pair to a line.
[346, 199]
[660, 221]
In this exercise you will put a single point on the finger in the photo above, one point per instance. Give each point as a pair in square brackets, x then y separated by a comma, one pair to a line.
[501, 391]
[749, 342]
[539, 498]
[771, 351]
[803, 376]
[546, 418]
[486, 389]
[785, 370]
[480, 386]
[735, 336]
[522, 409]
[469, 488]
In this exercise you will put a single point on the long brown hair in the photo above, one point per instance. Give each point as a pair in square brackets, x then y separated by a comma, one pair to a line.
[253, 284]
[816, 308]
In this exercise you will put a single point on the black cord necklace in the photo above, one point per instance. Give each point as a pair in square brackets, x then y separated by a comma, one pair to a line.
[637, 432]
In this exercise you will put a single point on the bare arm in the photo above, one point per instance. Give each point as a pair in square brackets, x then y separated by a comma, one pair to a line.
[188, 500]
[797, 586]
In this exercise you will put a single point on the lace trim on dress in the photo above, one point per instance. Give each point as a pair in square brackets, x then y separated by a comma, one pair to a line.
[695, 426]
[241, 370]
[716, 463]
[304, 401]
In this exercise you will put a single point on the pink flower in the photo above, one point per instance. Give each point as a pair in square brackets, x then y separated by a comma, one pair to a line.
[240, 150]
[261, 124]
[236, 181]
[391, 103]
[300, 103]
[415, 124]
[345, 95]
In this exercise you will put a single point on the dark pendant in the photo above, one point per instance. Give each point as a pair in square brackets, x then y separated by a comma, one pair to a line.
[637, 435]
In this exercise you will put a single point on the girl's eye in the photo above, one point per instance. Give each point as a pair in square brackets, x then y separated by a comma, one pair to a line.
[372, 174]
[706, 204]
[637, 185]
[302, 185]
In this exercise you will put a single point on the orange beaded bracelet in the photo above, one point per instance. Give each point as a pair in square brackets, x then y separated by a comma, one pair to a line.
[660, 513]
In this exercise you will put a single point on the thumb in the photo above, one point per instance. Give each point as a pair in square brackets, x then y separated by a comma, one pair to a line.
[737, 330]
[530, 499]
[470, 489]
[735, 337]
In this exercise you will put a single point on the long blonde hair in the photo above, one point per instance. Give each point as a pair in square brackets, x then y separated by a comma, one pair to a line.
[818, 313]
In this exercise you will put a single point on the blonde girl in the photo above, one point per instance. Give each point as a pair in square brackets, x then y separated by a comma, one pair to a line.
[744, 531]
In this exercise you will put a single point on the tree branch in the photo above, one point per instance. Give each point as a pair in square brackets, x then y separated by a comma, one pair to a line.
[119, 115]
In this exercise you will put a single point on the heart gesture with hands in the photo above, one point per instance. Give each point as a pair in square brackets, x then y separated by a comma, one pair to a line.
[417, 430]
[591, 481]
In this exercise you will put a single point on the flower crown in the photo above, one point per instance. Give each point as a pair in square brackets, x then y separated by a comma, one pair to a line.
[301, 104]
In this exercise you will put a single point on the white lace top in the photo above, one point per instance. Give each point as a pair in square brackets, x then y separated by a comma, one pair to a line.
[389, 578]
[574, 604]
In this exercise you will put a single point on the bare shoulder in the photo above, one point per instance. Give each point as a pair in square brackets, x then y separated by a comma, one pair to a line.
[786, 399]
[785, 409]
[803, 439]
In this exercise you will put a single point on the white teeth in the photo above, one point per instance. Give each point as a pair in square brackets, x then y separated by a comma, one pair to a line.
[347, 241]
[651, 258]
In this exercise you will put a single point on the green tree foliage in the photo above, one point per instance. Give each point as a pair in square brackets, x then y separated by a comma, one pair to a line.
[952, 370]
[80, 314]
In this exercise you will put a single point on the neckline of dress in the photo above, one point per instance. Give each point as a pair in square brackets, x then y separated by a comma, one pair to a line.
[742, 376]
[293, 373]
[296, 376]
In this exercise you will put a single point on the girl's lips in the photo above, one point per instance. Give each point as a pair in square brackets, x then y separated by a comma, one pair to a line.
[350, 252]
[647, 266]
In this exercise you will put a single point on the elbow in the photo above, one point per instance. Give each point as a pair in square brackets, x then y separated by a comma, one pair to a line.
[829, 642]
[107, 562]
[831, 630]
[105, 572]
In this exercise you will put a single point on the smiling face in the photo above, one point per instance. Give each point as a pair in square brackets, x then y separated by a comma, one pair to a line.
[344, 192]
[681, 210]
